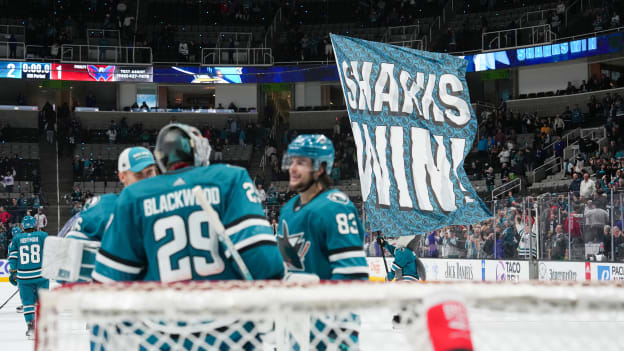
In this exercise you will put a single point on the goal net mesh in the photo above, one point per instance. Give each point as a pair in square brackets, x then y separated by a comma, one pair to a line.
[326, 316]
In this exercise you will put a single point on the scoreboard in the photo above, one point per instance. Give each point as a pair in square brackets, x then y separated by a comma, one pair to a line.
[75, 72]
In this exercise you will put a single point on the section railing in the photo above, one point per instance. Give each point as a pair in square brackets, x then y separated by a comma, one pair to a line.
[12, 50]
[237, 56]
[105, 54]
[517, 37]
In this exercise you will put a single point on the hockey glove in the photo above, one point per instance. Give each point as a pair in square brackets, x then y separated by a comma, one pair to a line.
[12, 277]
[381, 241]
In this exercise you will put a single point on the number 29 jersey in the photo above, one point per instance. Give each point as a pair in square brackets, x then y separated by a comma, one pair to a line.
[160, 233]
[324, 237]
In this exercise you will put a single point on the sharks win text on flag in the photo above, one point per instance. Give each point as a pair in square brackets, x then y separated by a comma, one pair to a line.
[413, 126]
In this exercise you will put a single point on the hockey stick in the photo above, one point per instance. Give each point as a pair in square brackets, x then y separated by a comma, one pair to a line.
[9, 299]
[213, 217]
[383, 255]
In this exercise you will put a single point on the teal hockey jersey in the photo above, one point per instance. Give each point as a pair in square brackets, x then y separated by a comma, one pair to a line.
[324, 237]
[160, 233]
[93, 218]
[25, 256]
[404, 260]
[90, 225]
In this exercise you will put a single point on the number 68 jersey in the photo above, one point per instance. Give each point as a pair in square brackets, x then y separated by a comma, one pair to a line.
[160, 233]
[25, 253]
[324, 237]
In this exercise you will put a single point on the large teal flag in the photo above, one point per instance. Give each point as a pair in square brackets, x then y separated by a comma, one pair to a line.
[413, 126]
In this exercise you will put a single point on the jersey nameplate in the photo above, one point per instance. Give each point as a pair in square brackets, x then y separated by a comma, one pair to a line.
[177, 199]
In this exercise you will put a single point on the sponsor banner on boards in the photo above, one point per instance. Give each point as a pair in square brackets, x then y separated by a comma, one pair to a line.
[458, 269]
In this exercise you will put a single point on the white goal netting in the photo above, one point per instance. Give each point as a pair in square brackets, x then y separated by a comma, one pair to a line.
[328, 316]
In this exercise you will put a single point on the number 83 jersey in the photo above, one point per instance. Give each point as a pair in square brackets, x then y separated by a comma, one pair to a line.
[159, 231]
[324, 237]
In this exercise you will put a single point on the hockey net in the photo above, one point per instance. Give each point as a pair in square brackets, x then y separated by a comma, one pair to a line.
[328, 316]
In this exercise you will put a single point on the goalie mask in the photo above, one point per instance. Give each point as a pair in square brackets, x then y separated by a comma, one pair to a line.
[179, 146]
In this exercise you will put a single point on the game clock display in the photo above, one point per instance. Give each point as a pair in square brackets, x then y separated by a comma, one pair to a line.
[25, 70]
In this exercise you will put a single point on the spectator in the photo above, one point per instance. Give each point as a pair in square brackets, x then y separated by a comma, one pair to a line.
[471, 245]
[241, 137]
[5, 241]
[572, 224]
[489, 179]
[261, 194]
[12, 46]
[49, 127]
[575, 185]
[144, 106]
[577, 116]
[14, 210]
[509, 241]
[560, 8]
[559, 244]
[432, 240]
[22, 204]
[218, 150]
[558, 125]
[8, 182]
[336, 129]
[587, 187]
[615, 20]
[595, 220]
[618, 244]
[112, 135]
[275, 226]
[36, 202]
[504, 156]
[4, 216]
[41, 219]
[91, 101]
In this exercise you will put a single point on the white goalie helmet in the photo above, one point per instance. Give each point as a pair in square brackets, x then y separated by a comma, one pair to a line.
[181, 145]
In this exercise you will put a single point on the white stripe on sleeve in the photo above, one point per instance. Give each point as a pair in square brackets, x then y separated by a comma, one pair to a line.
[344, 255]
[254, 239]
[350, 270]
[116, 265]
[100, 278]
[246, 224]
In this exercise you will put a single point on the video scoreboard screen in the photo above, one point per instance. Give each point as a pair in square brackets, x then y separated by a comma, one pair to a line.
[101, 73]
[75, 72]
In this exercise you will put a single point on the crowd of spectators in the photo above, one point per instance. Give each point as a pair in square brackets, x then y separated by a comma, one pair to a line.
[11, 213]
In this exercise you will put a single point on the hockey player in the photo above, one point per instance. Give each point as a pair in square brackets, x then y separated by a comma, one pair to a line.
[160, 233]
[134, 164]
[25, 265]
[320, 231]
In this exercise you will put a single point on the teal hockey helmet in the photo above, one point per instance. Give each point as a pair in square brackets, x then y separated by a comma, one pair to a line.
[29, 222]
[16, 230]
[181, 145]
[317, 147]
